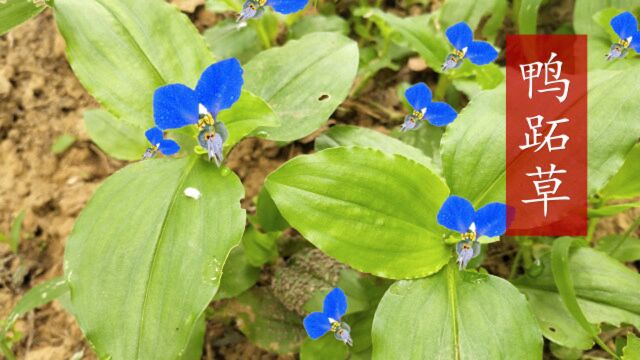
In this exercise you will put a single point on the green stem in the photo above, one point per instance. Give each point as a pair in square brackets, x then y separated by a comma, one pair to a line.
[591, 229]
[514, 266]
[262, 34]
[441, 87]
[452, 273]
[631, 228]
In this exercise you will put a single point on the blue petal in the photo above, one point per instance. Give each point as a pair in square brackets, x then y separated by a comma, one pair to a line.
[316, 324]
[174, 106]
[440, 114]
[481, 53]
[220, 85]
[456, 214]
[418, 95]
[460, 35]
[169, 147]
[624, 25]
[287, 6]
[335, 304]
[491, 220]
[154, 135]
[635, 42]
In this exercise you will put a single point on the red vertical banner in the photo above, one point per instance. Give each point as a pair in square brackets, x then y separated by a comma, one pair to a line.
[547, 135]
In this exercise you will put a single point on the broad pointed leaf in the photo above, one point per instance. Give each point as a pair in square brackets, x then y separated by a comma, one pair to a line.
[304, 81]
[474, 143]
[373, 211]
[121, 51]
[144, 260]
[455, 315]
[15, 12]
[120, 139]
[346, 135]
[606, 290]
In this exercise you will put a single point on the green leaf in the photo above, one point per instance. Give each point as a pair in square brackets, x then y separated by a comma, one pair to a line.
[15, 12]
[632, 350]
[609, 210]
[371, 210]
[227, 40]
[62, 143]
[474, 144]
[118, 138]
[266, 322]
[528, 16]
[136, 242]
[455, 315]
[196, 343]
[612, 111]
[621, 247]
[606, 291]
[625, 184]
[224, 5]
[427, 139]
[293, 80]
[39, 295]
[319, 23]
[418, 32]
[327, 347]
[471, 12]
[122, 51]
[16, 230]
[259, 248]
[246, 117]
[564, 284]
[346, 135]
[237, 275]
[584, 10]
[268, 216]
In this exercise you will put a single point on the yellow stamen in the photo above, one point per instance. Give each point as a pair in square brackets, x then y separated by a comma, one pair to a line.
[205, 119]
[458, 53]
[469, 235]
[624, 43]
[334, 326]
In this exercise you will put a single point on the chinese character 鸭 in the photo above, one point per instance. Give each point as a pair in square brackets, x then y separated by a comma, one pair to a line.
[552, 72]
[536, 138]
[546, 186]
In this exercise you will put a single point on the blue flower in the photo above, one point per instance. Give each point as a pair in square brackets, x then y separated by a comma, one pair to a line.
[219, 87]
[255, 8]
[319, 323]
[626, 26]
[478, 52]
[457, 214]
[159, 143]
[437, 113]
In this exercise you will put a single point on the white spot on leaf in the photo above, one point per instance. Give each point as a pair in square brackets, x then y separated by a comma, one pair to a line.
[192, 193]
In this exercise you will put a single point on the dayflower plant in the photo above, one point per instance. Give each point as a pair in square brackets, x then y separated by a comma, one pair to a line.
[219, 87]
[460, 36]
[255, 8]
[626, 26]
[319, 323]
[159, 143]
[436, 113]
[457, 214]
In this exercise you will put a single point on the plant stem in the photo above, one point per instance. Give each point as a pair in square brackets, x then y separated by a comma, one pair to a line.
[262, 34]
[514, 266]
[441, 87]
[591, 229]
